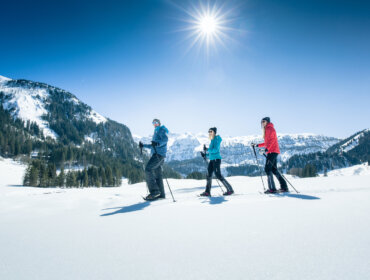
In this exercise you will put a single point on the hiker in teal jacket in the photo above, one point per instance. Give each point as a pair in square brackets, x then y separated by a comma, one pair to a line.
[214, 165]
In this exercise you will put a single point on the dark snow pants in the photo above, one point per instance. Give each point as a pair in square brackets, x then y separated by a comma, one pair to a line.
[153, 174]
[271, 168]
[215, 166]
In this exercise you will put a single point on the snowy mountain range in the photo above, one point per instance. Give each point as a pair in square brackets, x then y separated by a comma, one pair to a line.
[60, 129]
[350, 151]
[297, 150]
[237, 151]
[349, 143]
[30, 101]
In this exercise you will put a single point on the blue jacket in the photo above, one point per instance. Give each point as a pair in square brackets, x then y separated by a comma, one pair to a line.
[159, 136]
[214, 148]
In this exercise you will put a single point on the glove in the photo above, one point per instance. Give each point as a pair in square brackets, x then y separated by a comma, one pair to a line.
[203, 154]
[262, 151]
[141, 145]
[155, 144]
[205, 148]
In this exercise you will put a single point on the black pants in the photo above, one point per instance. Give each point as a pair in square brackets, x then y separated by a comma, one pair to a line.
[153, 174]
[271, 168]
[215, 166]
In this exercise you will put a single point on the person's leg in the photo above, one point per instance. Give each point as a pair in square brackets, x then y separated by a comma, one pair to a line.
[159, 180]
[275, 171]
[268, 170]
[154, 162]
[211, 167]
[227, 185]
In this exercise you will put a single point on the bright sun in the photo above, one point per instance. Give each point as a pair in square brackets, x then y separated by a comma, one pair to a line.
[208, 24]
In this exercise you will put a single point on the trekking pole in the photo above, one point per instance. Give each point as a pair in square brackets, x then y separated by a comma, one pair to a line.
[142, 158]
[259, 168]
[168, 186]
[268, 161]
[155, 149]
[215, 178]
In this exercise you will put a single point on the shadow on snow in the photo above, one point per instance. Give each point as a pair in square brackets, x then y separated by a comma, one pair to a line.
[299, 196]
[214, 200]
[185, 190]
[126, 209]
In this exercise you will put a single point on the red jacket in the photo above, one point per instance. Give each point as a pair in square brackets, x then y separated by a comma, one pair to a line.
[271, 141]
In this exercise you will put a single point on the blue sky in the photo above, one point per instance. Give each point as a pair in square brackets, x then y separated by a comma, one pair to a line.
[306, 64]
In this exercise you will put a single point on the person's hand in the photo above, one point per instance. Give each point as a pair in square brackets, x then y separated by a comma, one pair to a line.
[205, 148]
[203, 154]
[141, 145]
[155, 144]
[254, 145]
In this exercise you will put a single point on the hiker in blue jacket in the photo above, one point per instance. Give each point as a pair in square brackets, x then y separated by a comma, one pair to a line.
[153, 170]
[213, 152]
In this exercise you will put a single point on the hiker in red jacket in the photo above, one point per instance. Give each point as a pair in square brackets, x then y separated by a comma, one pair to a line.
[272, 150]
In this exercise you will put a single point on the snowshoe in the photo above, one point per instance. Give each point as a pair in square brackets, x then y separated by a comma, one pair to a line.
[152, 197]
[270, 191]
[205, 194]
[228, 193]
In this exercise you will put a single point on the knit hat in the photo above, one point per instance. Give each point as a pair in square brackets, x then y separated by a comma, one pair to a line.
[267, 119]
[214, 129]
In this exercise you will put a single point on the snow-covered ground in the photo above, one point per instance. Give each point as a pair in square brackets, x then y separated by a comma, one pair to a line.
[360, 169]
[111, 233]
[11, 172]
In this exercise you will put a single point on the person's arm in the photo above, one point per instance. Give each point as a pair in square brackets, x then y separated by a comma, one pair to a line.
[261, 145]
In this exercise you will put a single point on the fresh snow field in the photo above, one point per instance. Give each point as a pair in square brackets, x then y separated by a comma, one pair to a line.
[111, 233]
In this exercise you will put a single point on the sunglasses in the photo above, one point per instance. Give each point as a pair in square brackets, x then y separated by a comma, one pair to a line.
[155, 122]
[211, 131]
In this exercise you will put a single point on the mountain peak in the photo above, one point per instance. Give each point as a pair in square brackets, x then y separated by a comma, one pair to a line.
[31, 101]
[3, 79]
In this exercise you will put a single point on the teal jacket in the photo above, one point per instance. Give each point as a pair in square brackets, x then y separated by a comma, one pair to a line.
[214, 148]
